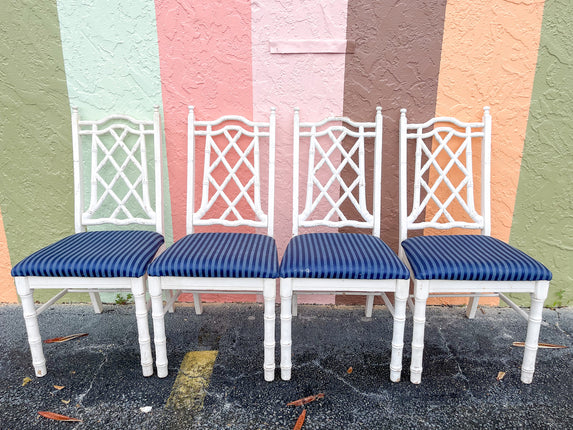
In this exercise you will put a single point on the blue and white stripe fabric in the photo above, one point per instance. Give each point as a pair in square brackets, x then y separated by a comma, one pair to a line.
[102, 254]
[471, 257]
[220, 255]
[341, 256]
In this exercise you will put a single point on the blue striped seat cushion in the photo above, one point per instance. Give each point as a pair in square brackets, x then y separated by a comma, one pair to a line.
[471, 257]
[102, 254]
[219, 255]
[341, 256]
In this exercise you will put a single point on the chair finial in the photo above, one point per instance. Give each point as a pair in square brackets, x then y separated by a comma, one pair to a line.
[191, 108]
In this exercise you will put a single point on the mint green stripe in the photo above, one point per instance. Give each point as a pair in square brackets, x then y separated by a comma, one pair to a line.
[111, 56]
[36, 181]
[542, 223]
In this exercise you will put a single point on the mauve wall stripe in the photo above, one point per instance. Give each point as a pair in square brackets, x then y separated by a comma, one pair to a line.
[395, 64]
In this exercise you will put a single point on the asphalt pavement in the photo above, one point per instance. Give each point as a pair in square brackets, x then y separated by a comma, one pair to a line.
[336, 351]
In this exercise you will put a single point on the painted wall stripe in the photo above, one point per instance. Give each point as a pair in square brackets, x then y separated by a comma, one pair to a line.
[313, 82]
[36, 179]
[542, 223]
[112, 63]
[489, 54]
[7, 287]
[205, 56]
[395, 65]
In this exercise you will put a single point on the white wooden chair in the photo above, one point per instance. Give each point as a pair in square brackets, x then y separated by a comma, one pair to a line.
[118, 194]
[346, 263]
[444, 198]
[223, 262]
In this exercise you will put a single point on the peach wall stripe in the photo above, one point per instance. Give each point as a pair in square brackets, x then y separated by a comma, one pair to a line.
[489, 55]
[7, 288]
[314, 82]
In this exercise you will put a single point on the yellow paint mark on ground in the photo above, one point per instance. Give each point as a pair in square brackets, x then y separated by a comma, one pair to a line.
[190, 386]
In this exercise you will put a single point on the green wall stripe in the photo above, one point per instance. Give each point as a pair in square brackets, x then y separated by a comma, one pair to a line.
[542, 223]
[35, 138]
[111, 58]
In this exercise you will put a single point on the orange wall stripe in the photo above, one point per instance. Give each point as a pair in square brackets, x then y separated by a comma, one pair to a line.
[489, 54]
[7, 288]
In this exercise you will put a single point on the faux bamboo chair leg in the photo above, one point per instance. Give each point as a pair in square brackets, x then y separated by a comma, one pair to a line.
[157, 314]
[369, 305]
[138, 291]
[32, 328]
[96, 303]
[533, 327]
[269, 295]
[400, 297]
[286, 328]
[472, 307]
[421, 295]
[197, 303]
[294, 305]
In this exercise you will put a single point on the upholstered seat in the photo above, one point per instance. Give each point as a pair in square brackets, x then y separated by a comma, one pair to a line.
[471, 258]
[121, 157]
[233, 149]
[219, 255]
[100, 254]
[329, 261]
[448, 195]
[341, 256]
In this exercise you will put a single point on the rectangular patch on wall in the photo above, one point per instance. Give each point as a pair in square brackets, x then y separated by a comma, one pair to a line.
[312, 46]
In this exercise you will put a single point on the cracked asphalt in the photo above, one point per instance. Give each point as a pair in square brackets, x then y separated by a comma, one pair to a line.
[336, 351]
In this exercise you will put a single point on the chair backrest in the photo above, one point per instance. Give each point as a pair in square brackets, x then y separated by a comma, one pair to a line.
[444, 194]
[231, 181]
[342, 140]
[121, 190]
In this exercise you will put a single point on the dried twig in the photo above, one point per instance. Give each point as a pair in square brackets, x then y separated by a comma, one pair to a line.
[57, 417]
[65, 338]
[306, 400]
[300, 420]
[542, 345]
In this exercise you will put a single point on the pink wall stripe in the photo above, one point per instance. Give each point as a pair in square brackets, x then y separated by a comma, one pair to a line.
[312, 81]
[205, 61]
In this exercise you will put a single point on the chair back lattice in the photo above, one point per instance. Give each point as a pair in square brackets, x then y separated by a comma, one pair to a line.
[337, 145]
[120, 192]
[231, 181]
[444, 190]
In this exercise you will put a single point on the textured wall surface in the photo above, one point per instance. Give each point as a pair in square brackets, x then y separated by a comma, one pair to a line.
[431, 57]
[313, 82]
[35, 150]
[543, 219]
[205, 52]
[205, 57]
[112, 64]
[7, 287]
[395, 65]
[488, 59]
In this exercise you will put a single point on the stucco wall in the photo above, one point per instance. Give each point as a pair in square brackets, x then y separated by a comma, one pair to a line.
[35, 134]
[442, 57]
[543, 220]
